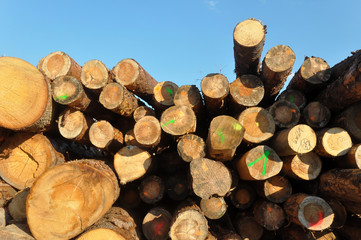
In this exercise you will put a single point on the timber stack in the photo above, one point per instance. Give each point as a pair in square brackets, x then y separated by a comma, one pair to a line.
[89, 152]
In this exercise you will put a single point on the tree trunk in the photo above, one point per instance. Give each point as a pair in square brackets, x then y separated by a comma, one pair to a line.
[269, 215]
[302, 166]
[276, 189]
[191, 147]
[94, 75]
[151, 189]
[178, 120]
[74, 125]
[164, 95]
[156, 224]
[316, 115]
[142, 111]
[285, 114]
[103, 135]
[294, 96]
[340, 213]
[214, 207]
[243, 196]
[177, 186]
[352, 159]
[70, 197]
[147, 132]
[350, 120]
[333, 142]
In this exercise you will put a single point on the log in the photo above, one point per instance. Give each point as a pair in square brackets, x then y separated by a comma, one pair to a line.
[248, 228]
[156, 224]
[70, 197]
[147, 132]
[143, 111]
[151, 189]
[24, 157]
[17, 205]
[224, 136]
[16, 232]
[258, 124]
[333, 142]
[210, 177]
[248, 40]
[170, 161]
[269, 215]
[163, 94]
[74, 125]
[4, 217]
[130, 74]
[285, 114]
[94, 75]
[24, 96]
[243, 196]
[351, 230]
[129, 139]
[349, 120]
[311, 212]
[316, 115]
[340, 213]
[7, 192]
[276, 67]
[118, 99]
[214, 207]
[352, 159]
[177, 186]
[294, 232]
[190, 96]
[352, 207]
[294, 96]
[191, 147]
[178, 120]
[302, 166]
[342, 184]
[299, 139]
[249, 168]
[103, 135]
[276, 189]
[215, 89]
[129, 196]
[131, 163]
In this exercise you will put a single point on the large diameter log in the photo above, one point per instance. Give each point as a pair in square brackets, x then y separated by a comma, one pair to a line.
[130, 74]
[191, 147]
[333, 142]
[343, 184]
[248, 40]
[259, 163]
[269, 215]
[147, 132]
[285, 114]
[316, 115]
[163, 94]
[302, 166]
[350, 120]
[297, 140]
[70, 197]
[294, 96]
[311, 212]
[24, 157]
[156, 224]
[224, 136]
[276, 189]
[74, 125]
[94, 75]
[24, 93]
[178, 120]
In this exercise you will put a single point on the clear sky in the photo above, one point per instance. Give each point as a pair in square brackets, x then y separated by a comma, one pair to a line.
[179, 41]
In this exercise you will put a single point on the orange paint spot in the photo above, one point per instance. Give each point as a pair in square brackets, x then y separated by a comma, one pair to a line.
[293, 110]
[199, 233]
[269, 209]
[312, 118]
[288, 51]
[183, 93]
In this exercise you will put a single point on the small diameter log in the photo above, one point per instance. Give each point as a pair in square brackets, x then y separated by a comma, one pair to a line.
[248, 228]
[350, 120]
[131, 163]
[259, 163]
[311, 212]
[243, 196]
[190, 96]
[276, 189]
[94, 75]
[178, 120]
[102, 134]
[142, 111]
[7, 192]
[214, 207]
[116, 224]
[340, 213]
[58, 64]
[24, 157]
[269, 215]
[316, 115]
[151, 189]
[210, 177]
[276, 67]
[224, 136]
[17, 205]
[147, 131]
[215, 89]
[70, 197]
[248, 40]
[177, 186]
[352, 159]
[294, 96]
[74, 125]
[258, 124]
[343, 184]
[311, 76]
[296, 140]
[333, 142]
[163, 94]
[285, 114]
[130, 74]
[302, 166]
[189, 223]
[156, 224]
[24, 95]
[191, 147]
[118, 99]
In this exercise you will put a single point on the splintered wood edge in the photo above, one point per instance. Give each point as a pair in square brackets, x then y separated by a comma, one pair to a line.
[249, 33]
[336, 141]
[280, 58]
[164, 92]
[94, 74]
[215, 86]
[52, 60]
[126, 72]
[101, 234]
[302, 138]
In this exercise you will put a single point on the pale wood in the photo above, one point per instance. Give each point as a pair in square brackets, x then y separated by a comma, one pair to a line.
[102, 134]
[178, 120]
[305, 166]
[191, 147]
[285, 114]
[74, 125]
[269, 215]
[352, 159]
[189, 95]
[129, 139]
[276, 189]
[101, 234]
[4, 217]
[16, 231]
[7, 192]
[156, 224]
[332, 142]
[214, 207]
[17, 205]
[94, 75]
[143, 111]
[147, 131]
[163, 94]
[316, 115]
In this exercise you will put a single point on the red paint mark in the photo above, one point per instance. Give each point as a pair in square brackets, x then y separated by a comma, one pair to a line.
[293, 110]
[158, 228]
[319, 222]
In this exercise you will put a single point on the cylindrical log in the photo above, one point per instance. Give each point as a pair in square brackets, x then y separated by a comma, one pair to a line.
[305, 166]
[224, 136]
[276, 67]
[94, 75]
[118, 99]
[352, 159]
[74, 125]
[276, 189]
[164, 94]
[131, 163]
[191, 147]
[333, 142]
[58, 64]
[102, 134]
[285, 114]
[340, 213]
[147, 131]
[248, 228]
[316, 115]
[189, 95]
[215, 89]
[214, 207]
[178, 120]
[130, 74]
[210, 177]
[258, 124]
[350, 120]
[129, 196]
[293, 96]
[177, 186]
[297, 140]
[248, 40]
[17, 205]
[259, 163]
[143, 111]
[311, 212]
[156, 224]
[269, 215]
[7, 192]
[70, 197]
[151, 189]
[243, 196]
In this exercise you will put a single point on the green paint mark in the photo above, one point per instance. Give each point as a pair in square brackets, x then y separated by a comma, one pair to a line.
[237, 126]
[62, 97]
[265, 157]
[291, 98]
[169, 122]
[169, 91]
[220, 134]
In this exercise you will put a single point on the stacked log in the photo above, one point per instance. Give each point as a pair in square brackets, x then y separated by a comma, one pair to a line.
[92, 153]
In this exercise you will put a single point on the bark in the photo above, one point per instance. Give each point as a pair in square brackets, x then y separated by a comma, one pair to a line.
[349, 120]
[352, 159]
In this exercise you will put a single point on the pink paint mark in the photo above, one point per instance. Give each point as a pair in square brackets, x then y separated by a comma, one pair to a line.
[319, 222]
[158, 228]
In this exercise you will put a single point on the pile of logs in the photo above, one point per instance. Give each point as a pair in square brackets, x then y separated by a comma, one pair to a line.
[92, 153]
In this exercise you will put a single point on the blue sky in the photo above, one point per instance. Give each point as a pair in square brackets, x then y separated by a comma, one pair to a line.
[179, 41]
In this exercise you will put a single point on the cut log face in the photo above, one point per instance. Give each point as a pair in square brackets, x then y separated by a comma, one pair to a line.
[147, 131]
[178, 120]
[248, 228]
[316, 115]
[294, 96]
[285, 114]
[258, 124]
[247, 91]
[156, 224]
[243, 196]
[276, 189]
[164, 94]
[191, 147]
[350, 120]
[94, 74]
[333, 142]
[69, 198]
[72, 124]
[151, 189]
[101, 134]
[101, 234]
[302, 166]
[214, 207]
[7, 192]
[269, 215]
[352, 159]
[142, 111]
[177, 186]
[24, 95]
[190, 96]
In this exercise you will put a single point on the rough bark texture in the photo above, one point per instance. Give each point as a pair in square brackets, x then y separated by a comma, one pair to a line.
[350, 120]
